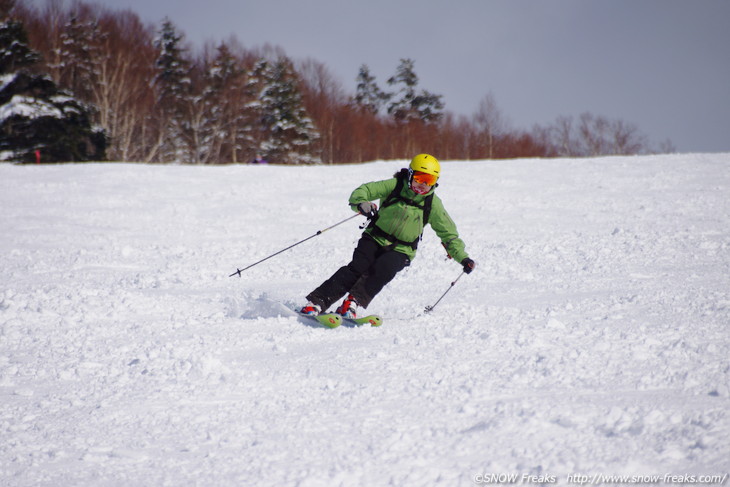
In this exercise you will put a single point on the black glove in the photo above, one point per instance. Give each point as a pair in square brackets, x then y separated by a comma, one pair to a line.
[469, 265]
[368, 209]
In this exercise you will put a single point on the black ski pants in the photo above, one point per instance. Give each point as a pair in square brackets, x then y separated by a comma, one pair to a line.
[372, 267]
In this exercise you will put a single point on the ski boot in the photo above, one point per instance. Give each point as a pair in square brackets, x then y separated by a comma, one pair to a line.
[311, 309]
[348, 309]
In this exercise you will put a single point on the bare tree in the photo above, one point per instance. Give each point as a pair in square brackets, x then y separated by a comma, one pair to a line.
[667, 147]
[489, 122]
[593, 132]
[626, 138]
[563, 137]
[122, 91]
[322, 94]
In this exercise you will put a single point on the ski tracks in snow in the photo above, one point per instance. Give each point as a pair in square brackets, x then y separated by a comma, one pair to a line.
[592, 337]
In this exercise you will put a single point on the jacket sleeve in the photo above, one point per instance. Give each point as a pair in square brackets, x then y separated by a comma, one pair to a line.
[445, 228]
[376, 190]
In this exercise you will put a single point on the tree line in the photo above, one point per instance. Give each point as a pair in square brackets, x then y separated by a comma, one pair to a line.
[159, 100]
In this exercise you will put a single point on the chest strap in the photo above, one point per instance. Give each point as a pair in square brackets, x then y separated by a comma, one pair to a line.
[379, 232]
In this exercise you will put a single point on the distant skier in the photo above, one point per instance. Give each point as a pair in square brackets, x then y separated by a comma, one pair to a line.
[387, 246]
[259, 159]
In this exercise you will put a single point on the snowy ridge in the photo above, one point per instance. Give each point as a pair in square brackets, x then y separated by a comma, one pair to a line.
[592, 339]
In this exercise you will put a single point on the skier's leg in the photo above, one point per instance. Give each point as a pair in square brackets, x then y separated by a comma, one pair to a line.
[383, 270]
[341, 281]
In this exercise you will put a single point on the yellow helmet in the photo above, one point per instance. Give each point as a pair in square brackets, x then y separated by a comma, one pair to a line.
[426, 163]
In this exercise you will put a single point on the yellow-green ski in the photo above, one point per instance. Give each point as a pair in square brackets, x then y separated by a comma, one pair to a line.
[374, 320]
[330, 320]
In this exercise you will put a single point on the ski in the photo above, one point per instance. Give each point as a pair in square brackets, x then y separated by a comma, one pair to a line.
[270, 307]
[374, 320]
[330, 320]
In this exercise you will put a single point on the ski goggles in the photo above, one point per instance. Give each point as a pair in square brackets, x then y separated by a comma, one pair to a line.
[424, 178]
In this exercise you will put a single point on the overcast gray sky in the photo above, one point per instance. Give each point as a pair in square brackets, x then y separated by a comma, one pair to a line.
[663, 65]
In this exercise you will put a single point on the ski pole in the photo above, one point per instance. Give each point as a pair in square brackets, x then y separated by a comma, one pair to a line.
[430, 308]
[238, 271]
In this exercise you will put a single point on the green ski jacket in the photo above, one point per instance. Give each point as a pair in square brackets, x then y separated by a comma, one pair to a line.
[404, 221]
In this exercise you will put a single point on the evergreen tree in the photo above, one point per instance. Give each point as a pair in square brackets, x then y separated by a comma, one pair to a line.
[368, 96]
[14, 50]
[222, 99]
[411, 104]
[254, 130]
[289, 133]
[174, 92]
[36, 118]
[79, 56]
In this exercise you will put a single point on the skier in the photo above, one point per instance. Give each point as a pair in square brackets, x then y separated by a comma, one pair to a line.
[259, 159]
[387, 246]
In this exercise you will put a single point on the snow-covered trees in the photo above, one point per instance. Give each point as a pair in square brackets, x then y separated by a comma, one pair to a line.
[173, 89]
[218, 111]
[15, 54]
[37, 119]
[79, 56]
[288, 134]
[160, 100]
[223, 95]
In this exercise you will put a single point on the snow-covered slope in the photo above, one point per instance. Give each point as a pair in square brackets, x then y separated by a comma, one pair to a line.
[593, 338]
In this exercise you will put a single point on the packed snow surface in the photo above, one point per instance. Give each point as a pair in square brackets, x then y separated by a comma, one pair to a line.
[592, 339]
